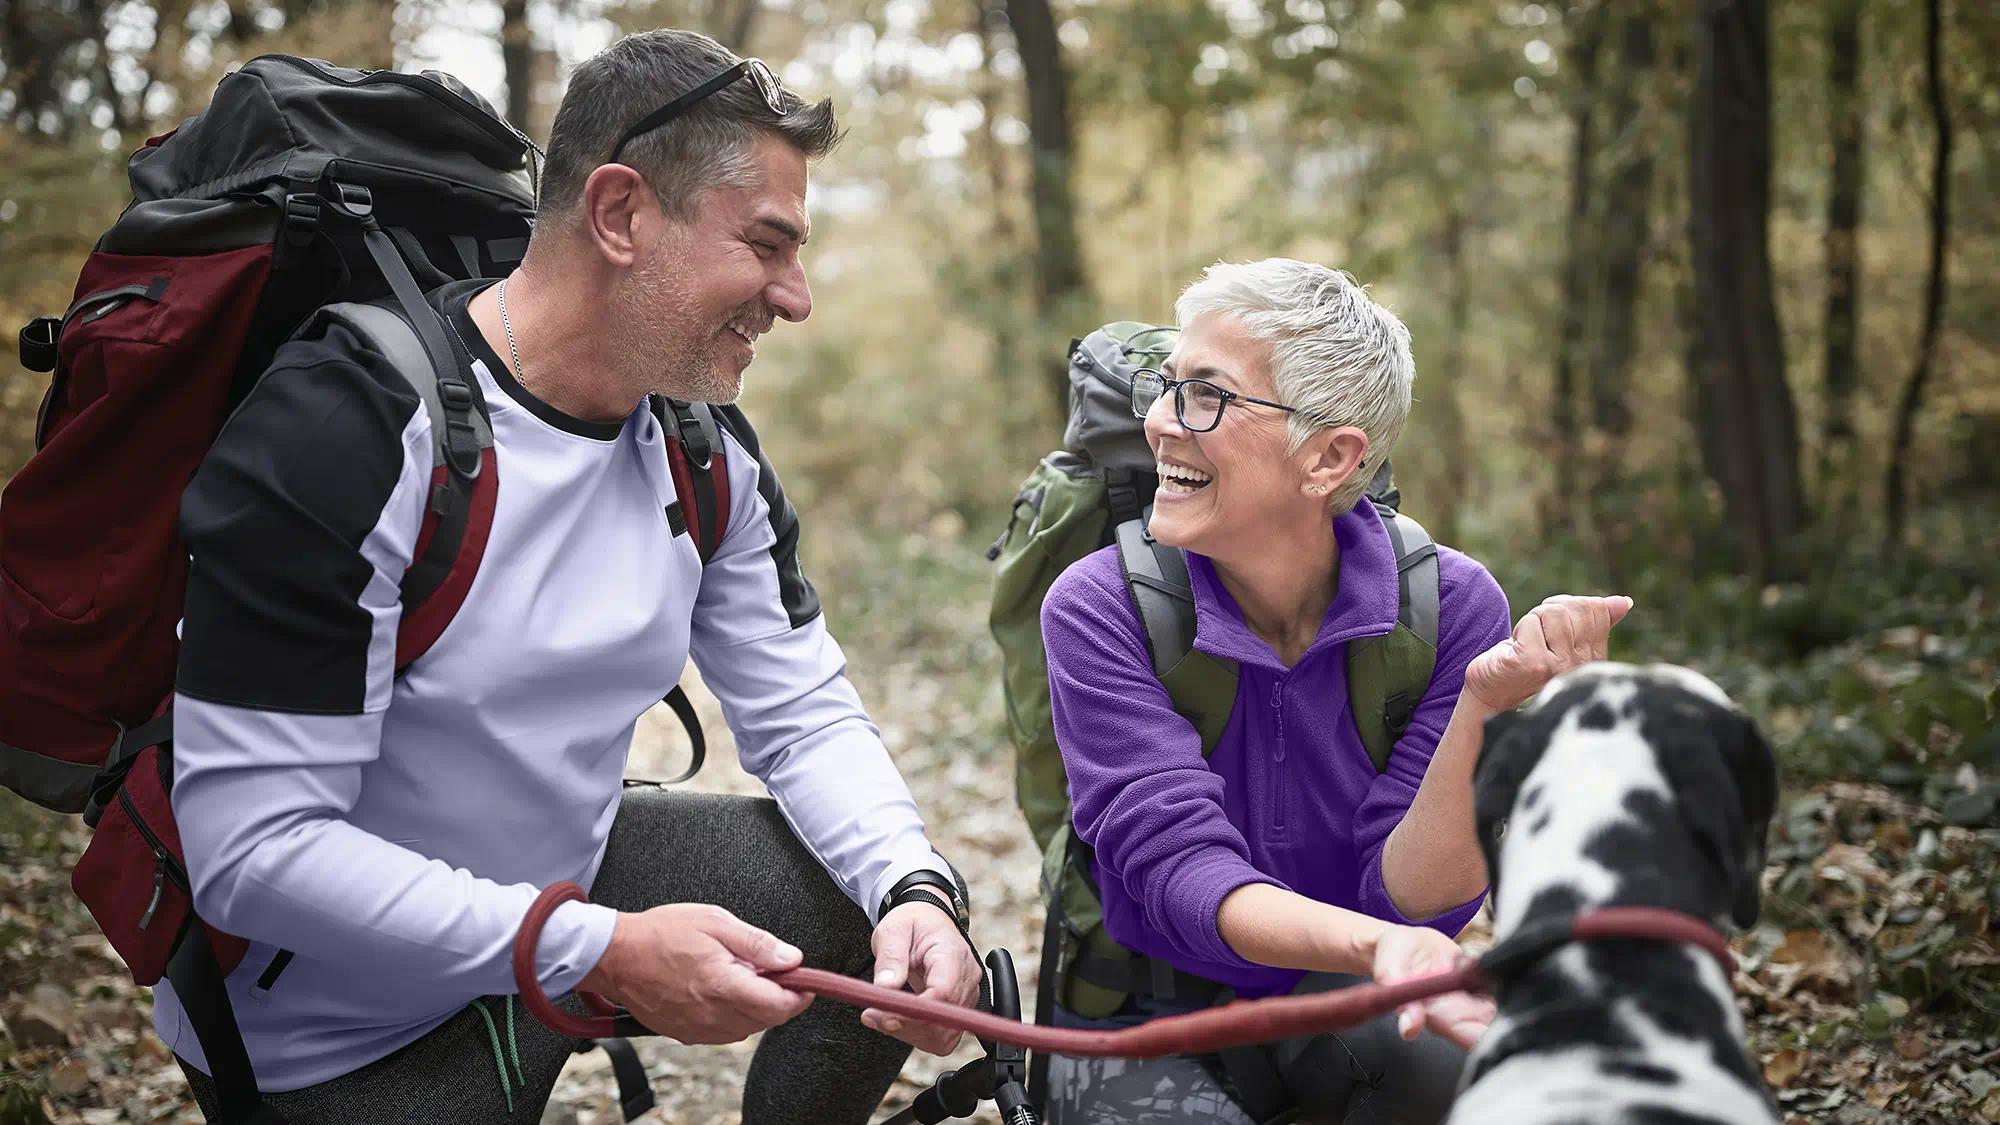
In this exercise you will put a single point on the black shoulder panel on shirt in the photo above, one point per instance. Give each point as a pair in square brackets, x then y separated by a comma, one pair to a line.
[801, 600]
[274, 521]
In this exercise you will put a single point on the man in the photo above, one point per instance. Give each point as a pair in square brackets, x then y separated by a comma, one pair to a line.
[379, 837]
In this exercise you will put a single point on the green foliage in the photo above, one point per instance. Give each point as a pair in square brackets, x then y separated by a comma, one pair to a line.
[20, 1100]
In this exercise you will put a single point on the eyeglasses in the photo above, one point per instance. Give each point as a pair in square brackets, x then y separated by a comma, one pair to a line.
[1198, 403]
[767, 85]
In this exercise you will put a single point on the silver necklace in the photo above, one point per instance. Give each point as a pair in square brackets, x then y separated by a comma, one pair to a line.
[513, 352]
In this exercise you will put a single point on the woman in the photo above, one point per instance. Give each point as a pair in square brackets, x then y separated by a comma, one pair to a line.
[1284, 861]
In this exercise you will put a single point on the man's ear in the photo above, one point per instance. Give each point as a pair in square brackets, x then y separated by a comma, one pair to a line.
[617, 204]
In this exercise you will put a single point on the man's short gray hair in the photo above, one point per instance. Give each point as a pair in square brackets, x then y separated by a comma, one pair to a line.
[709, 146]
[1336, 355]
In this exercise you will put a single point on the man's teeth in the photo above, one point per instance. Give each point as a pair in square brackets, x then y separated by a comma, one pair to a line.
[1180, 478]
[749, 337]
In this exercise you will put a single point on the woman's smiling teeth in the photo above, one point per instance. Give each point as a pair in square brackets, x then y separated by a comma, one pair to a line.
[1180, 478]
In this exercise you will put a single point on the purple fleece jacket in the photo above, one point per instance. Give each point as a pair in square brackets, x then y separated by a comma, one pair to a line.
[1289, 796]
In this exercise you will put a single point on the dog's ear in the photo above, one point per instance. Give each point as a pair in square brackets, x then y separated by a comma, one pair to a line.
[1755, 769]
[1509, 751]
[1725, 784]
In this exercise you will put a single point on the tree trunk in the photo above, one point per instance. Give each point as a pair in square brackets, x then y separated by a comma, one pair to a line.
[242, 25]
[1179, 204]
[1005, 251]
[1446, 405]
[1843, 252]
[165, 58]
[1701, 458]
[1894, 498]
[1740, 361]
[742, 22]
[1577, 270]
[517, 56]
[1626, 218]
[1059, 278]
[93, 10]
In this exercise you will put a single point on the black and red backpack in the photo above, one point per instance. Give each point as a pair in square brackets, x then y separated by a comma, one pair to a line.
[303, 190]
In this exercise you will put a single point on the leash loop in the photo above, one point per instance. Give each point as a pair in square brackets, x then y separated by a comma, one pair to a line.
[609, 1022]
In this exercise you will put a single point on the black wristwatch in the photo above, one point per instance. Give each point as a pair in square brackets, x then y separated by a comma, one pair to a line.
[940, 891]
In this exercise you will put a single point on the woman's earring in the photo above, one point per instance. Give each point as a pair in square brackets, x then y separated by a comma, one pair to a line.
[1316, 489]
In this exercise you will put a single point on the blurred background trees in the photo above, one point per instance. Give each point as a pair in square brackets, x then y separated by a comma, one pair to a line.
[1692, 284]
[1703, 296]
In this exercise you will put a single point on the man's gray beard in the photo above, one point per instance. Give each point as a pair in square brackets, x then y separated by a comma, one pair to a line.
[686, 366]
[713, 383]
[678, 370]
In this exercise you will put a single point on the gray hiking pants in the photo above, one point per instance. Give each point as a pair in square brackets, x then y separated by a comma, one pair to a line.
[822, 1067]
[1366, 1075]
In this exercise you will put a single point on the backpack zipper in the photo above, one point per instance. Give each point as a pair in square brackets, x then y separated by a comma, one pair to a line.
[1102, 375]
[1033, 498]
[113, 300]
[1279, 771]
[164, 865]
[151, 291]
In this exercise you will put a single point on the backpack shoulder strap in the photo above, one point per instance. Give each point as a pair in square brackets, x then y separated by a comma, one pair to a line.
[701, 479]
[1388, 675]
[701, 508]
[458, 514]
[1157, 577]
[1202, 687]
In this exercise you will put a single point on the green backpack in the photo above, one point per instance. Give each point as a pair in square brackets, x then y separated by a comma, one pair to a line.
[1096, 491]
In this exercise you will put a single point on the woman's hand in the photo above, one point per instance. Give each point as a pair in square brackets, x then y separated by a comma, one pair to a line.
[1562, 633]
[1411, 952]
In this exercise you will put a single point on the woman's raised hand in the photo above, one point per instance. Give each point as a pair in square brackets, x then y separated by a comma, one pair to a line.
[1562, 633]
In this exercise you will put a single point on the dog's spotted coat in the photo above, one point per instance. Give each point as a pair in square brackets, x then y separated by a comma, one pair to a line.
[1620, 786]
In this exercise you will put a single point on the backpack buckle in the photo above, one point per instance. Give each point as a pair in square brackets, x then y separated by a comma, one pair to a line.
[1123, 497]
[461, 441]
[353, 201]
[1397, 711]
[301, 217]
[693, 440]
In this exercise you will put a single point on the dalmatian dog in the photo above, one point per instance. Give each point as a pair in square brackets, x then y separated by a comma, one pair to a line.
[1620, 786]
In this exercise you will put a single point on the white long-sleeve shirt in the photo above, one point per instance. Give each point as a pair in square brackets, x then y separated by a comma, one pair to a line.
[390, 831]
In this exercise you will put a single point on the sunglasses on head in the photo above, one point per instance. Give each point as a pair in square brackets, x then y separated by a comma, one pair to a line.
[766, 82]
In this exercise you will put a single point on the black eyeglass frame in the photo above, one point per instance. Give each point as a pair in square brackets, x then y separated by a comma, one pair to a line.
[766, 82]
[1169, 383]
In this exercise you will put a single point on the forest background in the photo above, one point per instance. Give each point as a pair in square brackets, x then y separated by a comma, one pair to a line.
[1705, 311]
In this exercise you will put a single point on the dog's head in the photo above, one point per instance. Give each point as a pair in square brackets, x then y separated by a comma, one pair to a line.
[1621, 769]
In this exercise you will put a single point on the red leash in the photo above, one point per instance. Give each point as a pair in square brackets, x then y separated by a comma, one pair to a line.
[1233, 1025]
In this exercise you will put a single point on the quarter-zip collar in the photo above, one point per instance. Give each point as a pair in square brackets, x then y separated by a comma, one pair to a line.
[1364, 600]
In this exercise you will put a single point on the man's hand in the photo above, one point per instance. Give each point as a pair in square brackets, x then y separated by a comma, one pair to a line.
[694, 972]
[1562, 633]
[1411, 952]
[919, 945]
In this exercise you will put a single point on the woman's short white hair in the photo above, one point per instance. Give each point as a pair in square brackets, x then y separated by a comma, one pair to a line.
[1337, 356]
